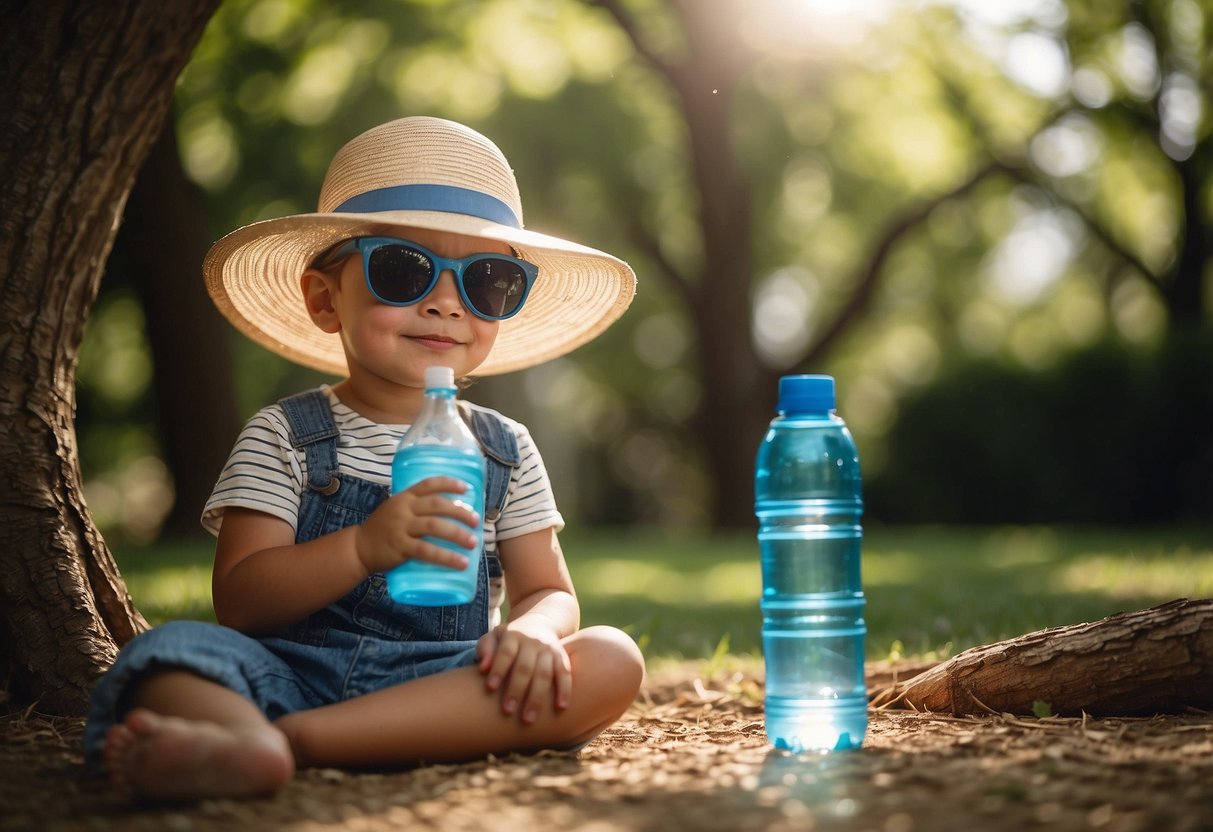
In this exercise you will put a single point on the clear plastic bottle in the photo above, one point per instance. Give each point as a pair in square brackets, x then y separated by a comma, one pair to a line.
[439, 443]
[809, 497]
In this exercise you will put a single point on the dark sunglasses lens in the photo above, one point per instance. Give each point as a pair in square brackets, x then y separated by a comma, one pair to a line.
[399, 274]
[495, 287]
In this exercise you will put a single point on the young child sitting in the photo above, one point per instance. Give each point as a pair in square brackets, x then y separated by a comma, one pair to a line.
[417, 256]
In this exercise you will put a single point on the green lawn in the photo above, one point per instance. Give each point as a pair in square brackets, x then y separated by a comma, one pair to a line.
[931, 591]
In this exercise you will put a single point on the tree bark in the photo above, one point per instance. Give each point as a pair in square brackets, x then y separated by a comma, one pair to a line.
[738, 393]
[1158, 660]
[83, 89]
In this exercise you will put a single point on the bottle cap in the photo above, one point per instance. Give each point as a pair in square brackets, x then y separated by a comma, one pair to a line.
[439, 378]
[806, 394]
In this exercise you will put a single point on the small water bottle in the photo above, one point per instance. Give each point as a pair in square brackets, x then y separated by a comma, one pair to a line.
[809, 497]
[439, 443]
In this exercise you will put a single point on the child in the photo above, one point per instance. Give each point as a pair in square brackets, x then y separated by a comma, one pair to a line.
[417, 256]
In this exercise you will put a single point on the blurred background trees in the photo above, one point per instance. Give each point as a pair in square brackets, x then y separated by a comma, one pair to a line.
[991, 221]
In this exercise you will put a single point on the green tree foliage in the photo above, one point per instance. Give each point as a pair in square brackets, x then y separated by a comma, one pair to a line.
[927, 186]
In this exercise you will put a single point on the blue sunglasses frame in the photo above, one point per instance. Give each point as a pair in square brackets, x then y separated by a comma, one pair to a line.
[367, 246]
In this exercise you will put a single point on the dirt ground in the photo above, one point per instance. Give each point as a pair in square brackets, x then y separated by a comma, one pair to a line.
[691, 754]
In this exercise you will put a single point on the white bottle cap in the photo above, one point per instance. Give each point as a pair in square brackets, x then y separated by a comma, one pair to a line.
[437, 378]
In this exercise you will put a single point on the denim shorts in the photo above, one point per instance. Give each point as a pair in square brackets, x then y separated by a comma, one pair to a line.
[278, 675]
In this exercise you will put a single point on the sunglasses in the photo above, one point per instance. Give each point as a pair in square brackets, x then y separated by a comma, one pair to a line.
[400, 273]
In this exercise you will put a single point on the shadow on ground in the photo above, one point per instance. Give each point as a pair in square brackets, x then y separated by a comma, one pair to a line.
[691, 754]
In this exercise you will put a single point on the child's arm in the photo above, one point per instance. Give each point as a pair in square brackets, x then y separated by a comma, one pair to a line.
[524, 658]
[264, 580]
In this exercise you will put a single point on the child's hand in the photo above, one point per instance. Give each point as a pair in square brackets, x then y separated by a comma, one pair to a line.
[394, 531]
[531, 663]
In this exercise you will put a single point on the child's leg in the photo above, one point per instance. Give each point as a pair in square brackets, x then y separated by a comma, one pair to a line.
[452, 716]
[188, 737]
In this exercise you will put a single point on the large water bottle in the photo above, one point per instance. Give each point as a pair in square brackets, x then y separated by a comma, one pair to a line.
[439, 443]
[809, 497]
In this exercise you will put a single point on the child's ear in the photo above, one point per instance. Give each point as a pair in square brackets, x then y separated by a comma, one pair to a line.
[318, 291]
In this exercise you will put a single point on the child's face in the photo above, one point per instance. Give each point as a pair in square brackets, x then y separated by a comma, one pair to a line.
[397, 343]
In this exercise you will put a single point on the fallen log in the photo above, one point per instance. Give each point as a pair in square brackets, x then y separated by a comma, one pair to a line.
[1157, 660]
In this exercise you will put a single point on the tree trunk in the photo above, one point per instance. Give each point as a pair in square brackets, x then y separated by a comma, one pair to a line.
[1158, 660]
[737, 392]
[162, 242]
[83, 90]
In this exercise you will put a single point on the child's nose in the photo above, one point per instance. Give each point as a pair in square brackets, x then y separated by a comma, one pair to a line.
[444, 300]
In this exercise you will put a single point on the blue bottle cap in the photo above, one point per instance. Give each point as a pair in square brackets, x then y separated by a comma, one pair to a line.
[806, 394]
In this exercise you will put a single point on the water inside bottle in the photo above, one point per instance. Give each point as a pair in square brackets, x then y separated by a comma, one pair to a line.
[428, 584]
[809, 546]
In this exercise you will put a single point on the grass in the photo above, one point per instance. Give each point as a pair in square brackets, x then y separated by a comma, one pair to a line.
[931, 591]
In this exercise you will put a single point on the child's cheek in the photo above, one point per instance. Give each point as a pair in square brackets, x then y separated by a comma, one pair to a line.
[380, 316]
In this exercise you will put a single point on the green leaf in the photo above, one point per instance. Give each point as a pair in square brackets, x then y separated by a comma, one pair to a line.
[1042, 709]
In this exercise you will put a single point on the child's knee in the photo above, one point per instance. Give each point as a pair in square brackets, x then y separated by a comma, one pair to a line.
[608, 670]
[614, 660]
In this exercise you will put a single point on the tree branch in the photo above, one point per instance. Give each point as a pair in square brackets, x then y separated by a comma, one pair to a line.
[639, 41]
[648, 243]
[1022, 171]
[1097, 229]
[869, 274]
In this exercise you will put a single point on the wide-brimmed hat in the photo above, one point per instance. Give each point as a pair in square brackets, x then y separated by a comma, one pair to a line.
[419, 172]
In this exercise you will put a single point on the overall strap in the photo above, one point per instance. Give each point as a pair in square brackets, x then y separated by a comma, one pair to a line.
[501, 453]
[310, 420]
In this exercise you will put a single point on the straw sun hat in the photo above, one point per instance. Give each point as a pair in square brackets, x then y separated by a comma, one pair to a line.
[426, 173]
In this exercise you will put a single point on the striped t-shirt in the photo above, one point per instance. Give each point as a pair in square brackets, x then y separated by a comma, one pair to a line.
[266, 473]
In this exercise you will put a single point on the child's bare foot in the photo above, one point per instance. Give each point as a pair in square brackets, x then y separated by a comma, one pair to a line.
[168, 758]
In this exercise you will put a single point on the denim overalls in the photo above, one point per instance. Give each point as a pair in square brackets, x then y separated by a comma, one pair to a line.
[362, 642]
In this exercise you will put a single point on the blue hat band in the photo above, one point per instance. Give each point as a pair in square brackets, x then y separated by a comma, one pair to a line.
[447, 198]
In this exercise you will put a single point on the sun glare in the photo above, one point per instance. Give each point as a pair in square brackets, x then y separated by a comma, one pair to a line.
[828, 25]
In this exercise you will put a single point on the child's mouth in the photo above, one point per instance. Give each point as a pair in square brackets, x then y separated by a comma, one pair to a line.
[435, 342]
